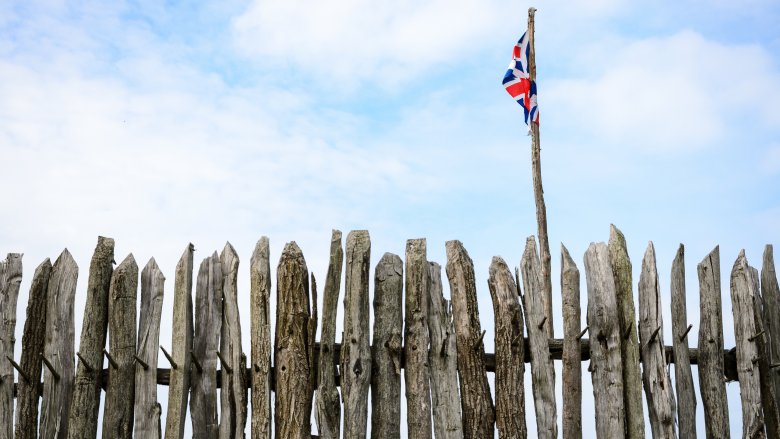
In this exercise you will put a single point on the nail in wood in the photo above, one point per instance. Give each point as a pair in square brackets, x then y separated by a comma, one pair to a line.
[170, 359]
[111, 359]
[196, 362]
[582, 334]
[84, 362]
[141, 362]
[18, 369]
[225, 366]
[50, 367]
[685, 334]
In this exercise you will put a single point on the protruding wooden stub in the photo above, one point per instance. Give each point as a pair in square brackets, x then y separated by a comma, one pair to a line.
[328, 411]
[260, 329]
[572, 369]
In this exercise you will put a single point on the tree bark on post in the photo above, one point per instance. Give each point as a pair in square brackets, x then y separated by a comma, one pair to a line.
[686, 397]
[328, 412]
[147, 409]
[10, 280]
[768, 396]
[572, 366]
[259, 302]
[233, 394]
[770, 292]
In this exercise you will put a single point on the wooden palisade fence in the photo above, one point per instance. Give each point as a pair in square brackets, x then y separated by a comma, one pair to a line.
[437, 343]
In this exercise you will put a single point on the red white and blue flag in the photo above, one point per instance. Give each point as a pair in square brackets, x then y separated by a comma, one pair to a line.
[517, 81]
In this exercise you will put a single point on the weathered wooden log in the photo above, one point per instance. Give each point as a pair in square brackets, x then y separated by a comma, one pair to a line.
[311, 335]
[629, 346]
[770, 292]
[232, 419]
[417, 374]
[542, 370]
[572, 369]
[10, 280]
[443, 360]
[356, 346]
[745, 334]
[32, 345]
[686, 397]
[292, 345]
[260, 311]
[58, 348]
[475, 398]
[147, 409]
[181, 345]
[710, 358]
[605, 363]
[386, 367]
[205, 343]
[768, 396]
[328, 405]
[120, 393]
[658, 388]
[510, 395]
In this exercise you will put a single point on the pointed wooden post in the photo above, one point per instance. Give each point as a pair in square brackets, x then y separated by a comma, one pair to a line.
[768, 396]
[260, 334]
[328, 412]
[770, 292]
[233, 394]
[572, 369]
[686, 397]
[10, 279]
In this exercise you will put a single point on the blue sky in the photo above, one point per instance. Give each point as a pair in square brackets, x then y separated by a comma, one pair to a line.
[163, 123]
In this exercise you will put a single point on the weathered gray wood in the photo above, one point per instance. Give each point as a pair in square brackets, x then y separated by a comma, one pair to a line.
[205, 343]
[328, 405]
[770, 292]
[232, 419]
[683, 378]
[542, 370]
[417, 373]
[356, 350]
[181, 345]
[259, 302]
[32, 345]
[83, 422]
[629, 346]
[605, 364]
[386, 369]
[510, 395]
[742, 297]
[147, 409]
[311, 335]
[120, 392]
[572, 368]
[10, 279]
[58, 348]
[443, 360]
[710, 361]
[291, 346]
[658, 388]
[475, 398]
[768, 396]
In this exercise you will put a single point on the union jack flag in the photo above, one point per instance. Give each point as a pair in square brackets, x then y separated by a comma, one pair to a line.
[517, 81]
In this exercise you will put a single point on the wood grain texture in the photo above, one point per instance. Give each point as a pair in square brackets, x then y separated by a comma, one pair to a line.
[233, 395]
[572, 367]
[260, 312]
[328, 404]
[10, 280]
[386, 366]
[768, 396]
[58, 348]
[510, 394]
[475, 397]
[605, 363]
[770, 291]
[686, 396]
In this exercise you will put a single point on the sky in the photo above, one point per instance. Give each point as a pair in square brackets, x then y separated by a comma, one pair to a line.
[164, 123]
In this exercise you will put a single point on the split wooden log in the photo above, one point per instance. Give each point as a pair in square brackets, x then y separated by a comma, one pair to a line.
[658, 388]
[686, 397]
[475, 398]
[386, 369]
[356, 346]
[629, 346]
[32, 345]
[770, 292]
[205, 343]
[291, 346]
[572, 367]
[710, 360]
[311, 334]
[510, 395]
[417, 373]
[768, 396]
[147, 409]
[10, 280]
[259, 303]
[181, 345]
[443, 360]
[58, 348]
[233, 395]
[605, 365]
[542, 370]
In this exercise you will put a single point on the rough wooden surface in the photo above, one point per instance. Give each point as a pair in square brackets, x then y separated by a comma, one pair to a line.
[605, 364]
[742, 297]
[58, 348]
[386, 366]
[710, 359]
[260, 311]
[629, 346]
[291, 346]
[658, 387]
[32, 345]
[181, 345]
[542, 370]
[768, 396]
[475, 398]
[510, 395]
[10, 279]
[147, 409]
[572, 367]
[443, 360]
[84, 407]
[118, 415]
[232, 416]
[356, 346]
[770, 292]
[205, 343]
[311, 336]
[416, 341]
[683, 378]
